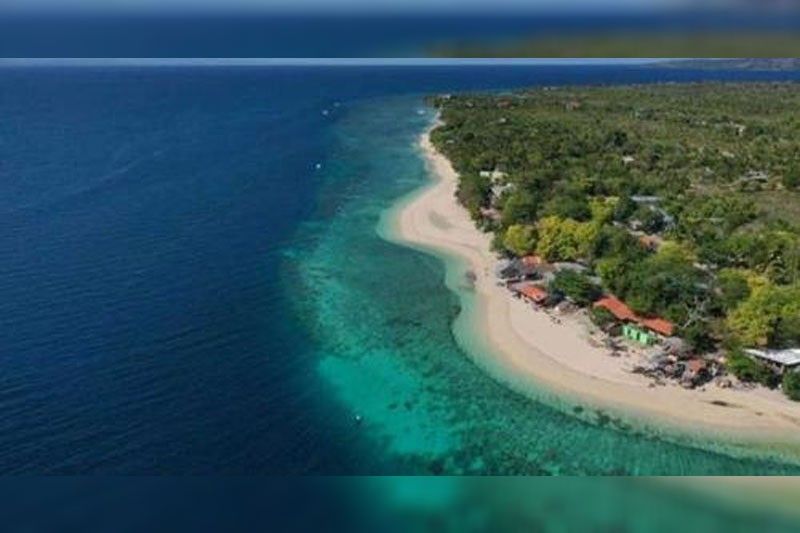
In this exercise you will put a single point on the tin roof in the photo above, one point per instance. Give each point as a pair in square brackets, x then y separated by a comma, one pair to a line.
[790, 357]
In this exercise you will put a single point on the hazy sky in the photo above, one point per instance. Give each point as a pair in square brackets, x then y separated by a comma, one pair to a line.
[454, 5]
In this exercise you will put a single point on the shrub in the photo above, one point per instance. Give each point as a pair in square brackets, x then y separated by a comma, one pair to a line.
[601, 316]
[576, 286]
[791, 385]
[791, 180]
[520, 239]
[698, 337]
[750, 370]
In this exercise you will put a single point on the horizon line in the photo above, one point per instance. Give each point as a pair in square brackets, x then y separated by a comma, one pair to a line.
[316, 61]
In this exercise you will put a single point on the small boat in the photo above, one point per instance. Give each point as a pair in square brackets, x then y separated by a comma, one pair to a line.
[318, 166]
[325, 112]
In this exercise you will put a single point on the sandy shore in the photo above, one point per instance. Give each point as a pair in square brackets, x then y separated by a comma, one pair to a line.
[526, 344]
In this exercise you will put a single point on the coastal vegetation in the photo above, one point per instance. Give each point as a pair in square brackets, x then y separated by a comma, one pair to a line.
[752, 50]
[791, 385]
[680, 200]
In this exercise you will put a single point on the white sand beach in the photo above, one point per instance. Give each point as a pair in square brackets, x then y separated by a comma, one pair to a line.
[529, 345]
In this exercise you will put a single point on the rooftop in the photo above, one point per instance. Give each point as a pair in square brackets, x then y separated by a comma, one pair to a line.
[696, 365]
[532, 261]
[645, 199]
[534, 292]
[567, 265]
[790, 357]
[659, 325]
[618, 308]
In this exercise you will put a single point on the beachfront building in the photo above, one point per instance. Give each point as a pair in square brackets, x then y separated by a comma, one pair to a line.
[515, 269]
[644, 199]
[494, 175]
[531, 293]
[629, 331]
[498, 190]
[578, 268]
[696, 371]
[780, 360]
[646, 331]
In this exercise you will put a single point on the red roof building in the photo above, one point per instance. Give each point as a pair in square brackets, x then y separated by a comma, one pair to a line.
[617, 308]
[659, 325]
[625, 314]
[534, 293]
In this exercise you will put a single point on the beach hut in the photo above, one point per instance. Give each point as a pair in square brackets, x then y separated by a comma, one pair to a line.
[629, 331]
[695, 372]
[616, 307]
[532, 293]
[663, 327]
[779, 360]
[643, 330]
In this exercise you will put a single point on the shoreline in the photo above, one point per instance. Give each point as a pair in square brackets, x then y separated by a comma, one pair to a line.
[532, 353]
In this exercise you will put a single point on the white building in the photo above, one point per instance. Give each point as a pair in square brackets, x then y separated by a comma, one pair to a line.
[494, 175]
[781, 359]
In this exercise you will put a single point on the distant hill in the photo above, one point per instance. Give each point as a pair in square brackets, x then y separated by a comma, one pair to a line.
[784, 63]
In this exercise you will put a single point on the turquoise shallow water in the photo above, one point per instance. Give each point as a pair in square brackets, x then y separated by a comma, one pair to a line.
[382, 321]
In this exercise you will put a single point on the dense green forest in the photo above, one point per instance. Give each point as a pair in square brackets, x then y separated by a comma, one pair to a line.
[683, 199]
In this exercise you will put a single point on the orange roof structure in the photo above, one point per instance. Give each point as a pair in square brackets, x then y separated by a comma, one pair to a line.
[534, 292]
[618, 308]
[659, 325]
[696, 365]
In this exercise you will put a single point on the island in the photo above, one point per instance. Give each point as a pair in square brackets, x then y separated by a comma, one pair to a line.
[636, 246]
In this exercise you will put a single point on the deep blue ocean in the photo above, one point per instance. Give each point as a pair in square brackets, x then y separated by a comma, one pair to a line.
[190, 277]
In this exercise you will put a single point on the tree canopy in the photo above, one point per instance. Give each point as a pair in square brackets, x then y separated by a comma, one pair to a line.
[683, 199]
[576, 286]
[520, 239]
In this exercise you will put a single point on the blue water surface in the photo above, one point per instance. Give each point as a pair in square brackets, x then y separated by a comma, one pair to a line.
[152, 225]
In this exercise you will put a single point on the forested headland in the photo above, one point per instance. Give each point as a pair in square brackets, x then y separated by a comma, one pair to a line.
[682, 199]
